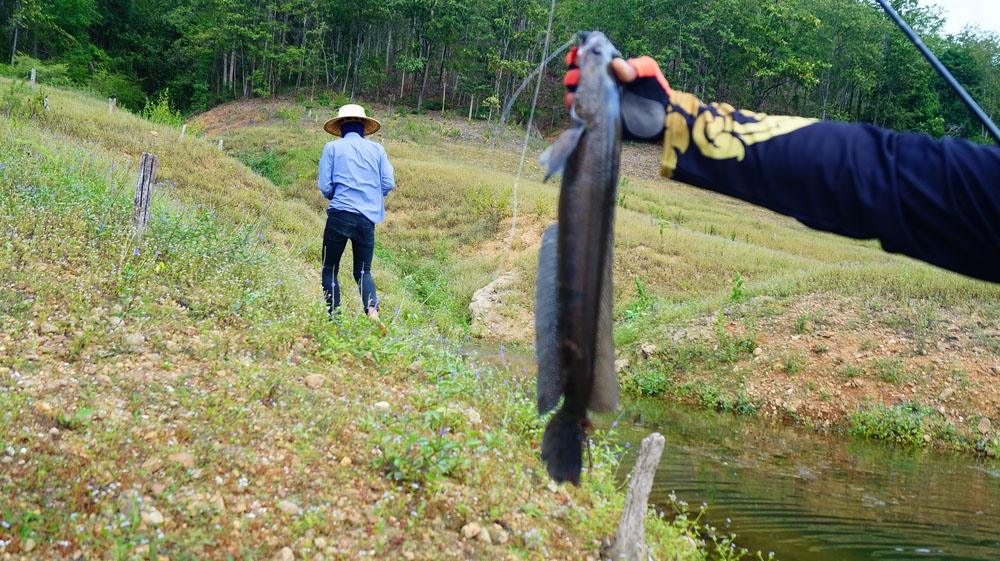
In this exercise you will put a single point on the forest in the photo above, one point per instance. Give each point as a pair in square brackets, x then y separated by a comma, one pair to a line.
[834, 59]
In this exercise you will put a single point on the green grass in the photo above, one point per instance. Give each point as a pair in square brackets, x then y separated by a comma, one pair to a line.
[909, 424]
[169, 391]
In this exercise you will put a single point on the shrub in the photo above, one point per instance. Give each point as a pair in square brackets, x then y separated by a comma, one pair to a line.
[161, 111]
[910, 424]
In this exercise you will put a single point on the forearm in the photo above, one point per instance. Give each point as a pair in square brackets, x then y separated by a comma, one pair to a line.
[324, 176]
[933, 200]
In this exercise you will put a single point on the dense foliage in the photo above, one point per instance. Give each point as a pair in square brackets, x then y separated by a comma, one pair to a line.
[838, 59]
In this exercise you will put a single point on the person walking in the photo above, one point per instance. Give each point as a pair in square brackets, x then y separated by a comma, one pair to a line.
[355, 176]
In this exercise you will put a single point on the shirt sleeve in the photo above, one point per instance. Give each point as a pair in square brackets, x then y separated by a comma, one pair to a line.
[930, 199]
[386, 172]
[324, 179]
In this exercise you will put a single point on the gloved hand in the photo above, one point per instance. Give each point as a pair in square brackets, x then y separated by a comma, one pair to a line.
[644, 99]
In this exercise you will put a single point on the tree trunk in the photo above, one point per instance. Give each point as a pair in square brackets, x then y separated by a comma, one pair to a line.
[13, 48]
[423, 83]
[388, 48]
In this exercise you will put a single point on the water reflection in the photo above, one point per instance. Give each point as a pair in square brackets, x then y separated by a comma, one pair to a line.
[811, 497]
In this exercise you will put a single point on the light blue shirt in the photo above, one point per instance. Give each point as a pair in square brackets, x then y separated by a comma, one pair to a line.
[355, 175]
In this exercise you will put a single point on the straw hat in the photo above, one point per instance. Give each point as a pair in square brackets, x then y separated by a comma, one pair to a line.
[348, 113]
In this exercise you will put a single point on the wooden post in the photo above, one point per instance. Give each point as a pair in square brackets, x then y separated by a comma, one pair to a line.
[630, 540]
[143, 193]
[32, 80]
[112, 103]
[184, 129]
[220, 144]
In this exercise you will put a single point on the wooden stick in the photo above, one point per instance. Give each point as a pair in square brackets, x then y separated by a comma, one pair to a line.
[630, 540]
[143, 193]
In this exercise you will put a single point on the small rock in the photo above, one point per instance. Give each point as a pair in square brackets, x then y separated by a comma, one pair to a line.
[757, 351]
[996, 369]
[48, 328]
[28, 546]
[286, 554]
[471, 530]
[621, 364]
[345, 461]
[985, 426]
[314, 381]
[382, 406]
[484, 536]
[151, 516]
[320, 543]
[104, 379]
[409, 556]
[946, 393]
[498, 533]
[647, 350]
[182, 458]
[532, 539]
[289, 508]
[134, 341]
[474, 416]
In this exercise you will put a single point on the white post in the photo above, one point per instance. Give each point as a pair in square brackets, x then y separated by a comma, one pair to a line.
[184, 129]
[32, 80]
[630, 540]
[220, 144]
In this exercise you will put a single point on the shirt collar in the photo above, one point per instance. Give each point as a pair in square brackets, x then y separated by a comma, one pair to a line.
[352, 134]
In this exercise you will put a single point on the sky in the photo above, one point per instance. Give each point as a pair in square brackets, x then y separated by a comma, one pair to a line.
[959, 13]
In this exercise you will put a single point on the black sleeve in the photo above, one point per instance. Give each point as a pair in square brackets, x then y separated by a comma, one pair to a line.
[935, 200]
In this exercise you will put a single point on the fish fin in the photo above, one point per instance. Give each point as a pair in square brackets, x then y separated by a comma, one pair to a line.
[553, 159]
[548, 382]
[562, 447]
[604, 396]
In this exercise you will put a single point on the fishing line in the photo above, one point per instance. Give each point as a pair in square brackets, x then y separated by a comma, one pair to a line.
[527, 137]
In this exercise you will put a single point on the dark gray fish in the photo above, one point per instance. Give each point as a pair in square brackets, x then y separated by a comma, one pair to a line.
[573, 340]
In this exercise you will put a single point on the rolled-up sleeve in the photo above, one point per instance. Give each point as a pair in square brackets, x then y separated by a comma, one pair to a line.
[386, 172]
[324, 179]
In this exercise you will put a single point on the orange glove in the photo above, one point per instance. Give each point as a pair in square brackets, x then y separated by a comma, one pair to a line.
[645, 95]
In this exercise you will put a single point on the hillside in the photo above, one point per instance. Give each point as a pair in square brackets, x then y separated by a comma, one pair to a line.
[183, 396]
[718, 302]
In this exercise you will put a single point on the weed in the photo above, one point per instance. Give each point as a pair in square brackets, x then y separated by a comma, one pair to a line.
[850, 372]
[793, 362]
[889, 370]
[737, 291]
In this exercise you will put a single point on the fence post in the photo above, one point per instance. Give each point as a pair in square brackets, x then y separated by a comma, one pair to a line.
[630, 542]
[220, 144]
[112, 103]
[143, 193]
[32, 81]
[184, 129]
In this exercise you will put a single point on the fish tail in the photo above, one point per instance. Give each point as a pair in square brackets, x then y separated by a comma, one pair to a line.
[562, 446]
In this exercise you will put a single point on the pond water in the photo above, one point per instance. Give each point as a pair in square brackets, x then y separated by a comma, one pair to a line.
[807, 496]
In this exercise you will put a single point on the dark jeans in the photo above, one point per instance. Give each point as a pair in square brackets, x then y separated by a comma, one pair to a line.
[340, 227]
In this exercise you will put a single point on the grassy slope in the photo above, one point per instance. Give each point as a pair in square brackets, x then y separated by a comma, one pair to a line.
[745, 310]
[161, 398]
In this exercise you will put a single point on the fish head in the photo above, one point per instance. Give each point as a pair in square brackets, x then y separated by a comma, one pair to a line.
[597, 86]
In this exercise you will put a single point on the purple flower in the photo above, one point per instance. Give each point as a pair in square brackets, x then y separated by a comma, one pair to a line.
[137, 252]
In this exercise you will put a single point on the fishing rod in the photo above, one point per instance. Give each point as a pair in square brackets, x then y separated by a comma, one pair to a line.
[964, 95]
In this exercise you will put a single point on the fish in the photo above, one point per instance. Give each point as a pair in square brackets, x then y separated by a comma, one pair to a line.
[573, 304]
